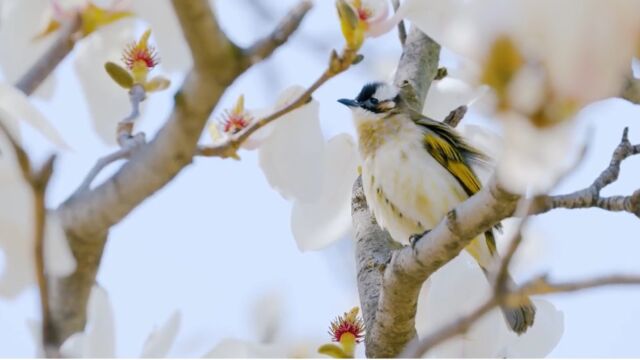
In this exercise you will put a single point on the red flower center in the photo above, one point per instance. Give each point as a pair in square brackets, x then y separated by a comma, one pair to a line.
[350, 323]
[134, 54]
[233, 123]
[363, 14]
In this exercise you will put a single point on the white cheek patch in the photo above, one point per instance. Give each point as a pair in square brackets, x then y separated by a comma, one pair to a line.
[362, 115]
[387, 105]
[385, 92]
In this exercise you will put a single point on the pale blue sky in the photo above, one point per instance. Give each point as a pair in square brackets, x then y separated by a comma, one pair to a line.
[218, 236]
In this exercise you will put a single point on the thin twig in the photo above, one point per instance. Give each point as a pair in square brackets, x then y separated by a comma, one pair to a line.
[402, 30]
[63, 45]
[337, 65]
[103, 162]
[124, 131]
[590, 196]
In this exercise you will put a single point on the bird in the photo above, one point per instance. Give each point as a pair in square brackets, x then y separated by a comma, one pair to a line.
[414, 171]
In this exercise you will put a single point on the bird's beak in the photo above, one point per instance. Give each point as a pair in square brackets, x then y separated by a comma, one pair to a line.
[349, 102]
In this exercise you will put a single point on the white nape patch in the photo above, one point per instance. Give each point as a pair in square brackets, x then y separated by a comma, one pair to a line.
[385, 92]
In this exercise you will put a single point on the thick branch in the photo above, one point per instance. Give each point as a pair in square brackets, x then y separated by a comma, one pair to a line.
[389, 317]
[88, 215]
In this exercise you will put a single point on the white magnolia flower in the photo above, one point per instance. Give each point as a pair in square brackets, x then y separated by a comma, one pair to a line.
[316, 175]
[458, 288]
[16, 205]
[327, 218]
[98, 338]
[447, 94]
[535, 158]
[20, 23]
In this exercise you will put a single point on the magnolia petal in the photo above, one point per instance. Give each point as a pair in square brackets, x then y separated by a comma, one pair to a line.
[99, 333]
[172, 46]
[160, 340]
[108, 103]
[317, 224]
[289, 157]
[15, 106]
[488, 142]
[448, 94]
[534, 158]
[541, 338]
[20, 22]
[74, 346]
[458, 288]
[237, 349]
[16, 225]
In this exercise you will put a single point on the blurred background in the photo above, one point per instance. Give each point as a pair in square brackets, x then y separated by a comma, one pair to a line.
[216, 244]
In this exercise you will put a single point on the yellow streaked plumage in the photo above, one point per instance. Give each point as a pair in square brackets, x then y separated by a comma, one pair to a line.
[414, 171]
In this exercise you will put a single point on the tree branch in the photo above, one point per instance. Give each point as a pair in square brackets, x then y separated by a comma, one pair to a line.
[389, 315]
[590, 196]
[62, 46]
[88, 215]
[539, 286]
[38, 180]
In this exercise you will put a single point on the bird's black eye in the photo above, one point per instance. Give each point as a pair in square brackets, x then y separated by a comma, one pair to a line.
[373, 101]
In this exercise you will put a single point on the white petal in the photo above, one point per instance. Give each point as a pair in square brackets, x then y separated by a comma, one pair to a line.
[108, 102]
[447, 94]
[289, 157]
[535, 158]
[16, 217]
[74, 346]
[488, 142]
[17, 229]
[20, 22]
[172, 47]
[542, 337]
[317, 224]
[100, 331]
[455, 290]
[160, 340]
[15, 106]
[236, 349]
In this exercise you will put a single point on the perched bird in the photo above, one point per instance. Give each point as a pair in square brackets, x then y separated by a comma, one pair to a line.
[415, 170]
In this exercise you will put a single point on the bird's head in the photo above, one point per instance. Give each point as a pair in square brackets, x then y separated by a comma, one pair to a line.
[374, 102]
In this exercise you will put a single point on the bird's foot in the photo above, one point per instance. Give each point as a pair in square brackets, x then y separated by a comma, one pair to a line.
[413, 239]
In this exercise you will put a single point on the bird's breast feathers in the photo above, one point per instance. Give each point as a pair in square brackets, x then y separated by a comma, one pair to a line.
[406, 188]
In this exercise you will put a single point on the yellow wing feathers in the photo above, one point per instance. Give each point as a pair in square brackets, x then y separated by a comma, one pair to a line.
[452, 160]
[450, 150]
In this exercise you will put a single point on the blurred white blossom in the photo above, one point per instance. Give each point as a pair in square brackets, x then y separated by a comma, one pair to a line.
[98, 338]
[458, 288]
[20, 23]
[16, 207]
[316, 175]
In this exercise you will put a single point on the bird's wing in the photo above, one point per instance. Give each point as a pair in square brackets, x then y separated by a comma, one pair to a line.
[455, 155]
